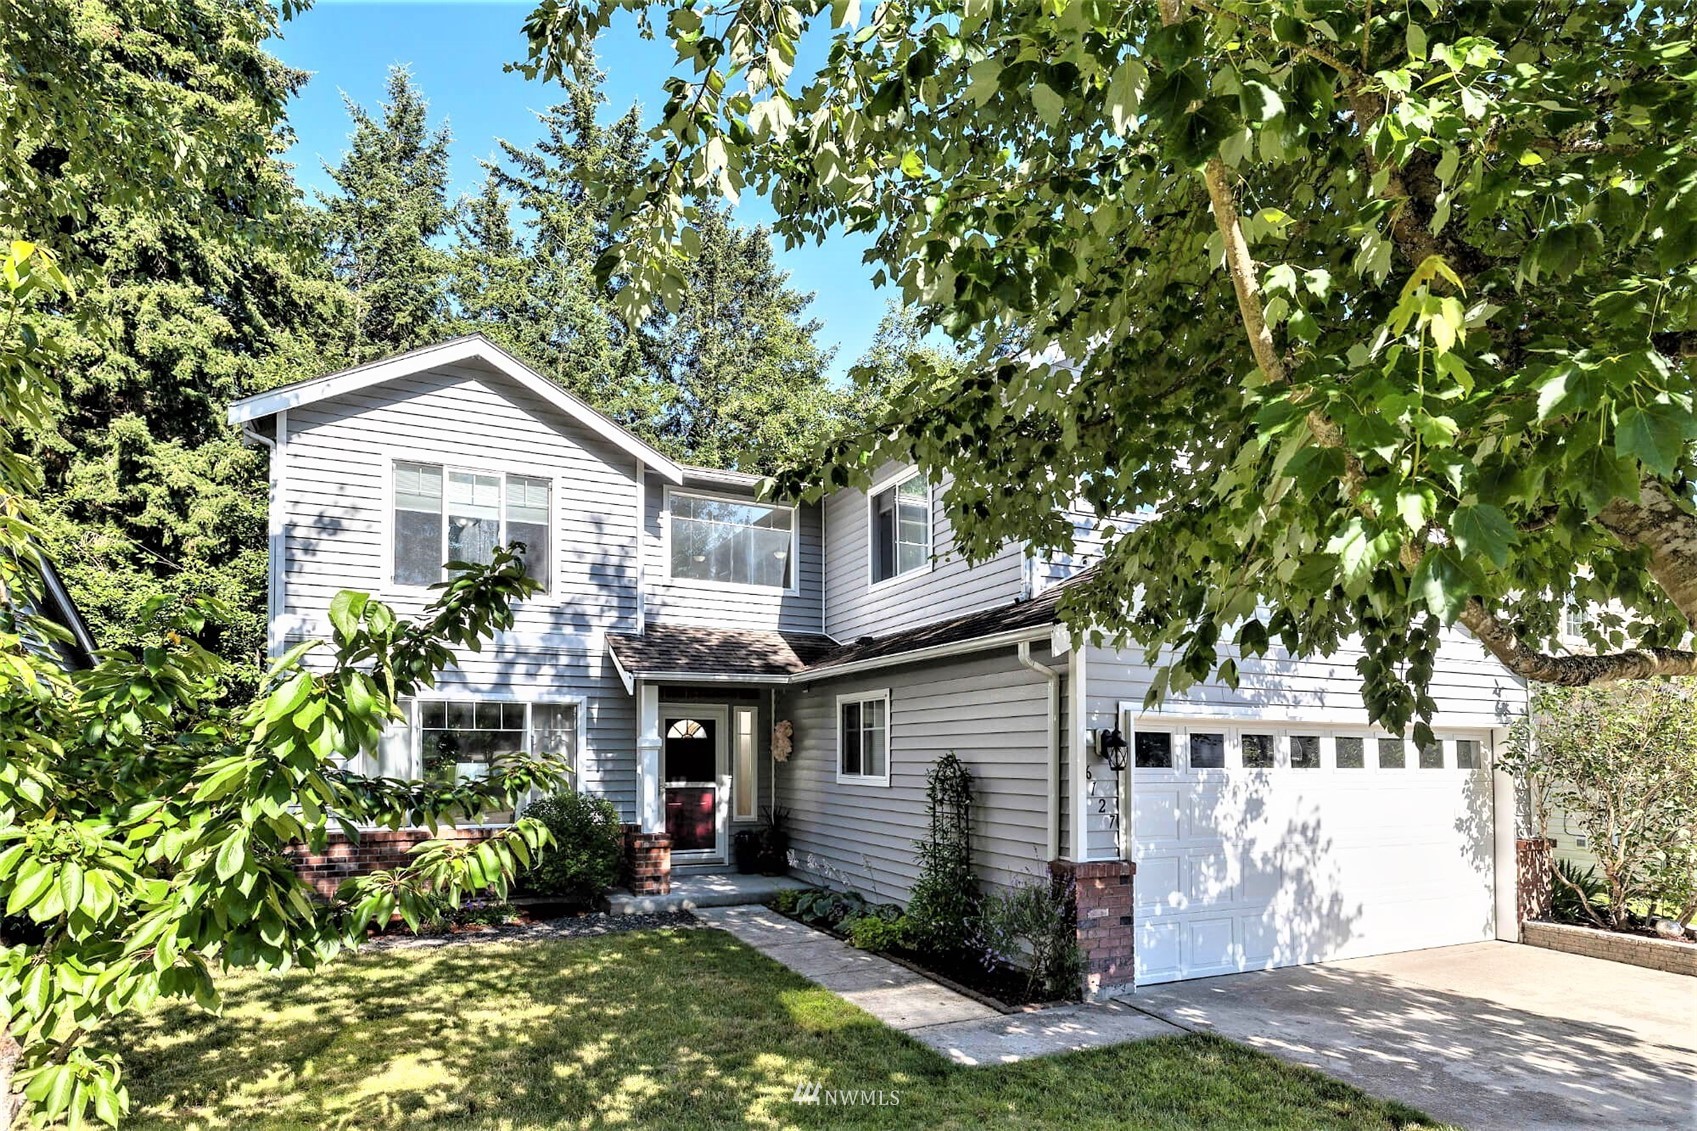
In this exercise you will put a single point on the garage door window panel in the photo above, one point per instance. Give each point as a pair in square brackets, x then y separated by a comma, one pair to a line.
[1351, 752]
[1152, 750]
[1207, 750]
[1304, 751]
[1392, 756]
[1260, 751]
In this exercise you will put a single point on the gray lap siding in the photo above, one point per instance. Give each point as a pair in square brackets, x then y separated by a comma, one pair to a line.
[987, 709]
[337, 462]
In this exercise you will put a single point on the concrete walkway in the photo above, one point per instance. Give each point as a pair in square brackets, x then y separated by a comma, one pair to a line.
[962, 1029]
[1492, 1036]
[705, 889]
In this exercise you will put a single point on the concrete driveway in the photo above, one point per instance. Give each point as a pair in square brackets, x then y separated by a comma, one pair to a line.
[1489, 1035]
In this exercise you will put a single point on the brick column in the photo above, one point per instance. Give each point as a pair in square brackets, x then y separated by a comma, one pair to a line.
[1102, 894]
[648, 861]
[1534, 863]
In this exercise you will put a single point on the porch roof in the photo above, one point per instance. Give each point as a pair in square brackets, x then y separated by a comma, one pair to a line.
[680, 652]
[721, 653]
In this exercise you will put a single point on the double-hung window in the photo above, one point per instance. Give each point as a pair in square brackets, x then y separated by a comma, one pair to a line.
[731, 542]
[901, 529]
[443, 514]
[863, 738]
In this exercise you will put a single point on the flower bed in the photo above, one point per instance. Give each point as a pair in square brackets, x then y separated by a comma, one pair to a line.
[1000, 985]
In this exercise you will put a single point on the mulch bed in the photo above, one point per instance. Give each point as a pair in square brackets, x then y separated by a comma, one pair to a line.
[1000, 986]
[565, 927]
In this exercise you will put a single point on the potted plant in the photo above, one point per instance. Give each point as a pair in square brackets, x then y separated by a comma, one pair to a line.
[745, 850]
[774, 854]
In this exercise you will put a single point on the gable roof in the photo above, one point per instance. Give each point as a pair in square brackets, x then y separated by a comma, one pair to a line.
[470, 347]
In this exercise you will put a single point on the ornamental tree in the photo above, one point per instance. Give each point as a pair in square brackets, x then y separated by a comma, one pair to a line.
[1621, 763]
[1389, 309]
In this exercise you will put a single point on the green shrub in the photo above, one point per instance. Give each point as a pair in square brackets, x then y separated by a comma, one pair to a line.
[1573, 891]
[822, 907]
[869, 932]
[1035, 925]
[942, 913]
[583, 862]
[784, 902]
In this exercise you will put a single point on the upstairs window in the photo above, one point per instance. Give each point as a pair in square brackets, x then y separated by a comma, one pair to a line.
[901, 529]
[446, 515]
[731, 542]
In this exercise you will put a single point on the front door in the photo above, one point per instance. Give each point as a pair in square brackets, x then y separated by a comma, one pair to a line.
[693, 768]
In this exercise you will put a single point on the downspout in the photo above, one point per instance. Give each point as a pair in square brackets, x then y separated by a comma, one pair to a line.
[1052, 830]
[274, 542]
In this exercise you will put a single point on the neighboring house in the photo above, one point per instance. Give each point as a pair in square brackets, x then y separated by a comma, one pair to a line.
[680, 619]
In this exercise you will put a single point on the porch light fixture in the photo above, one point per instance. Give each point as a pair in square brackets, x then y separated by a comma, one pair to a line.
[1111, 747]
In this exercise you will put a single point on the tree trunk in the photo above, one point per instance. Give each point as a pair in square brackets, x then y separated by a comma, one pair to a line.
[11, 1103]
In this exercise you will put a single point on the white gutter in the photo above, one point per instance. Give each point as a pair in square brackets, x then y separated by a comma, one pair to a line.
[1052, 829]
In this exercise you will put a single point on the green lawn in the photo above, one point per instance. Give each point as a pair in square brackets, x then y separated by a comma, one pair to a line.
[650, 1030]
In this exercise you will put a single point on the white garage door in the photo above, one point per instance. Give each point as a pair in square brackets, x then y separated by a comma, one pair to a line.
[1262, 846]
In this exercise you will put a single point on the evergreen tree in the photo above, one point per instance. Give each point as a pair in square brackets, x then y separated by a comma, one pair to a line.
[739, 378]
[561, 318]
[392, 202]
[736, 377]
[149, 492]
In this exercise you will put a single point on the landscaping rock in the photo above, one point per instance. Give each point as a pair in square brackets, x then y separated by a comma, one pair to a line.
[1667, 928]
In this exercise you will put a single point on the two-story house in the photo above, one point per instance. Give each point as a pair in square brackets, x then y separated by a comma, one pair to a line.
[681, 620]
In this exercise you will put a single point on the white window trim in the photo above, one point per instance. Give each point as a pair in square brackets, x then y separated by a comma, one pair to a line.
[878, 488]
[415, 733]
[390, 588]
[868, 696]
[791, 590]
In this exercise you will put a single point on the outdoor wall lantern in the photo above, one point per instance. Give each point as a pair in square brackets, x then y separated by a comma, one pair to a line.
[1111, 747]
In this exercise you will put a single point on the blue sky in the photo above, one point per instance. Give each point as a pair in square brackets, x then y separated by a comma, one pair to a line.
[456, 52]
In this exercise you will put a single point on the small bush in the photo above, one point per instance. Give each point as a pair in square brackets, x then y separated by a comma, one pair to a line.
[583, 862]
[784, 902]
[1036, 926]
[1572, 891]
[822, 907]
[869, 932]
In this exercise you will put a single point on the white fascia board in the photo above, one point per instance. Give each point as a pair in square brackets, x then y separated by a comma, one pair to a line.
[919, 655]
[474, 348]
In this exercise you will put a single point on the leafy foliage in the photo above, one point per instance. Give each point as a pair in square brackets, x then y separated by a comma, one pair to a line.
[943, 909]
[1035, 925]
[1621, 762]
[582, 863]
[869, 932]
[1389, 310]
[1577, 894]
[823, 907]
